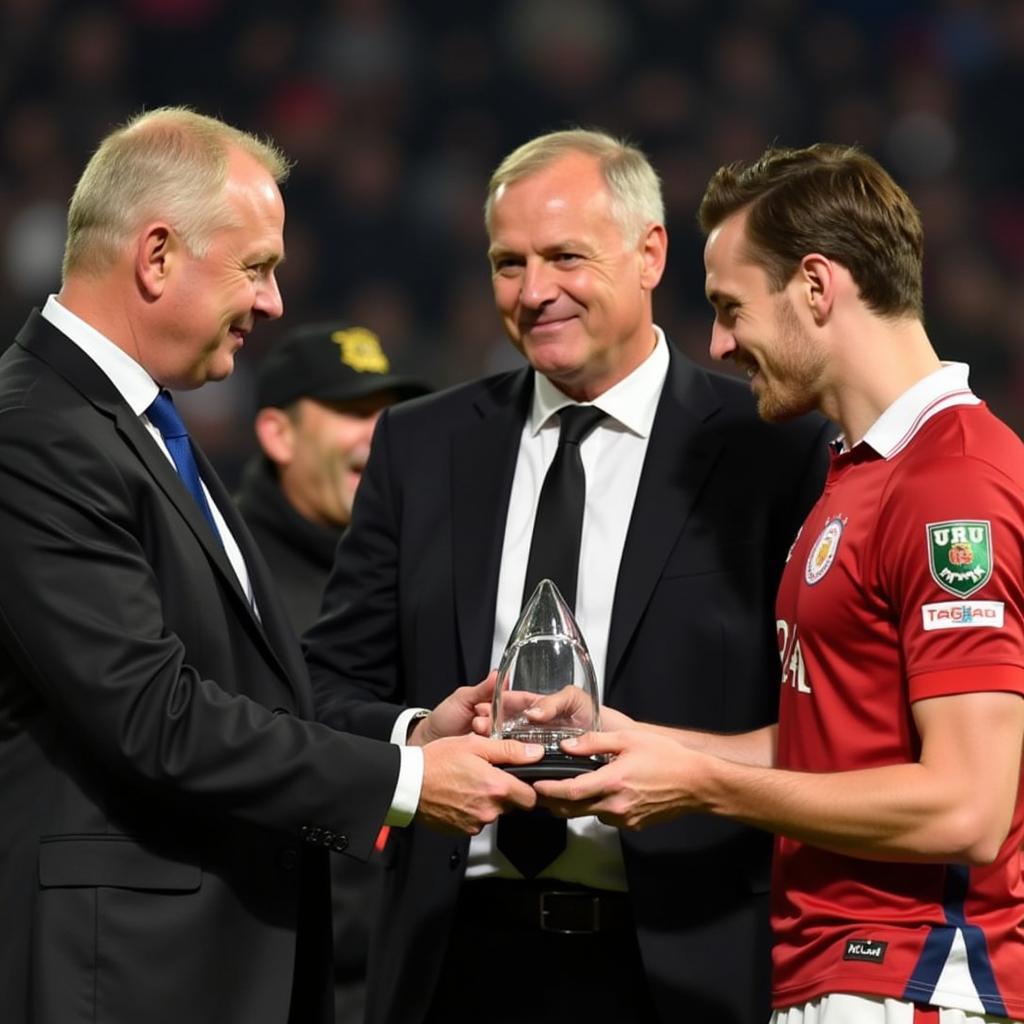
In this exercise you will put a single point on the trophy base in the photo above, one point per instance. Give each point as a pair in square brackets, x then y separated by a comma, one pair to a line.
[555, 766]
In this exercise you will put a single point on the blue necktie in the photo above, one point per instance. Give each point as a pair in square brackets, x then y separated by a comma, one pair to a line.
[165, 418]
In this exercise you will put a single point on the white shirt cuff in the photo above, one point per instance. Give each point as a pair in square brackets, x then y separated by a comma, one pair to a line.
[400, 730]
[407, 789]
[410, 772]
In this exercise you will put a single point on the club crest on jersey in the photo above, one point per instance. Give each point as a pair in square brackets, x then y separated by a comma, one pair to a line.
[960, 555]
[823, 550]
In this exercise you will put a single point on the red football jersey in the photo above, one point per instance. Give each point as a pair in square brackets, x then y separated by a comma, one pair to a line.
[906, 582]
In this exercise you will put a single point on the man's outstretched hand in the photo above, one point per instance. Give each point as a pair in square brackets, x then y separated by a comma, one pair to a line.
[463, 790]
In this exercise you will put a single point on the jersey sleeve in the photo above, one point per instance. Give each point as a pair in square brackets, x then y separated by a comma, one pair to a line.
[951, 565]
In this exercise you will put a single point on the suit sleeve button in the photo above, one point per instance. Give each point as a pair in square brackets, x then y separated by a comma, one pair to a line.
[340, 844]
[454, 859]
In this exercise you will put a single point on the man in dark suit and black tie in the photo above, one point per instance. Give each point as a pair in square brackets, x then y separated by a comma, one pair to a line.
[690, 505]
[166, 804]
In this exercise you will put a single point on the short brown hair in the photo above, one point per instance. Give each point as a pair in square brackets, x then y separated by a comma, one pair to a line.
[830, 199]
[171, 162]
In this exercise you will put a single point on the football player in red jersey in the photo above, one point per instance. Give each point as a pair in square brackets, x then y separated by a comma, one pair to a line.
[892, 778]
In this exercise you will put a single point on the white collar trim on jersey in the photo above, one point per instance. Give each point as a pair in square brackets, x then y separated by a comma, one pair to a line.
[896, 427]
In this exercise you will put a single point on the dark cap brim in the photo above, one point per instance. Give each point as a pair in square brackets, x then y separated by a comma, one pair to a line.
[353, 390]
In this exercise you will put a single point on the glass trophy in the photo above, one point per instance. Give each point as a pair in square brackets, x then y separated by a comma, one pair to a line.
[546, 662]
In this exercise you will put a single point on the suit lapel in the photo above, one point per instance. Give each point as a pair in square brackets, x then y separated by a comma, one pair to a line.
[680, 454]
[483, 465]
[272, 627]
[47, 343]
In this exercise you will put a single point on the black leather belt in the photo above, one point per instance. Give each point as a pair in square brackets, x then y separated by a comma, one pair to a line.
[548, 906]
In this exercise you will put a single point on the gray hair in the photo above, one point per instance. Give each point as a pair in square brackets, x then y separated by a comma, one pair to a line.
[632, 182]
[169, 163]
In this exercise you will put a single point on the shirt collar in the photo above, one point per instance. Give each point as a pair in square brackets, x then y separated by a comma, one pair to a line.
[941, 389]
[633, 401]
[136, 386]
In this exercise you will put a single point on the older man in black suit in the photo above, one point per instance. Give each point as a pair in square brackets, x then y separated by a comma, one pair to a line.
[166, 806]
[690, 505]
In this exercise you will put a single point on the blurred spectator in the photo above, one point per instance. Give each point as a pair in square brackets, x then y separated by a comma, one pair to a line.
[320, 392]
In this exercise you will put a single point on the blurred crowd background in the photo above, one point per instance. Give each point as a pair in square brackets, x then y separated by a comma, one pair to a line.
[396, 112]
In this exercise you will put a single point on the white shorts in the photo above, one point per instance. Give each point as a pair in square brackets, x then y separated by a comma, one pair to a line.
[840, 1008]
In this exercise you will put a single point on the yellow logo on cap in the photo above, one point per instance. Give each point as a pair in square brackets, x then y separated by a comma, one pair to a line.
[360, 349]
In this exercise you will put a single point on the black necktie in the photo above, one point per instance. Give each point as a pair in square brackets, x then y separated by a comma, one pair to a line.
[531, 841]
[558, 527]
[163, 415]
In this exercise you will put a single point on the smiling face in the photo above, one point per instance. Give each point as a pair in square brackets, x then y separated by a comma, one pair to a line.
[758, 329]
[329, 444]
[573, 296]
[211, 302]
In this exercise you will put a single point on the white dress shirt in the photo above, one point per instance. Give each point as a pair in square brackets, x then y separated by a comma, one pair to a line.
[613, 457]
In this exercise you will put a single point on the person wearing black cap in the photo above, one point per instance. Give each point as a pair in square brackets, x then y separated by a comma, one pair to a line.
[319, 394]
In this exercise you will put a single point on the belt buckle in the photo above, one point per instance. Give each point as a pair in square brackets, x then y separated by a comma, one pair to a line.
[546, 912]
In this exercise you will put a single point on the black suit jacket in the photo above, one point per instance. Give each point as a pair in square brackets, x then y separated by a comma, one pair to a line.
[155, 765]
[409, 614]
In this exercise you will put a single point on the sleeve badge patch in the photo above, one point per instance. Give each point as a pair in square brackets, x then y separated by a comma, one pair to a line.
[960, 555]
[962, 615]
